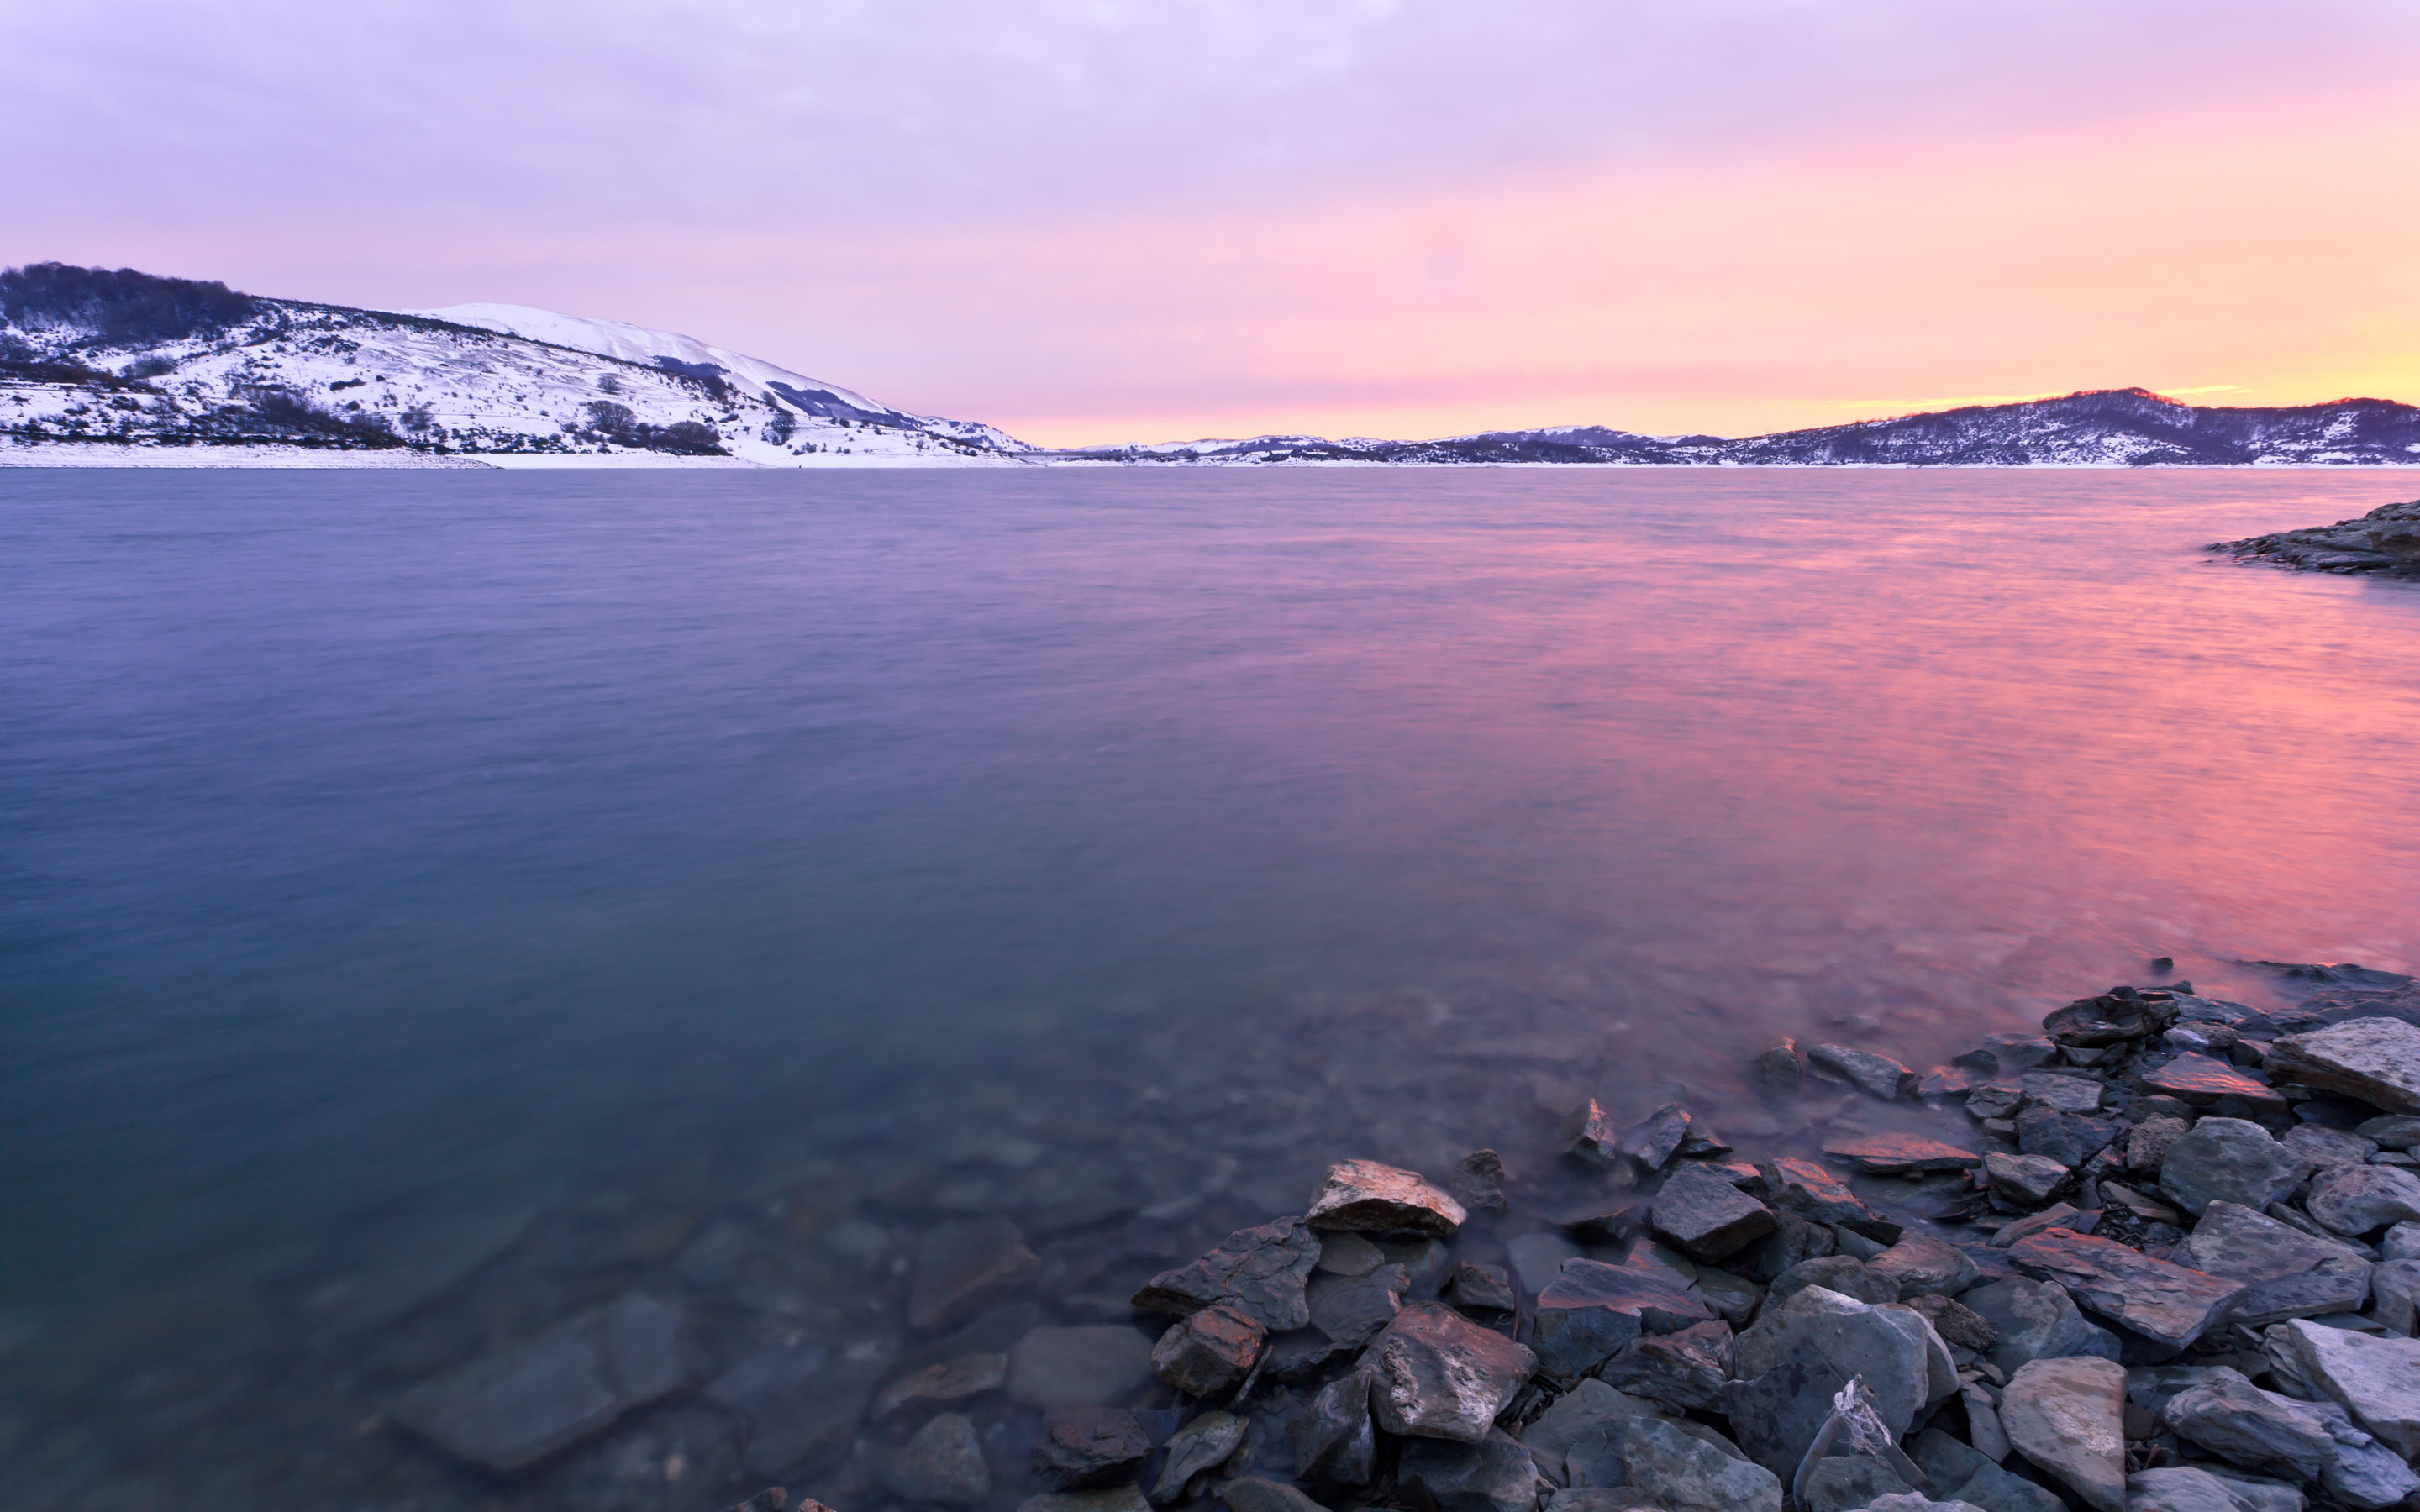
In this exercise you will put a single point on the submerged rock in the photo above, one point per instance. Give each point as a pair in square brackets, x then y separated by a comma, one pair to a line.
[951, 1381]
[800, 1400]
[1367, 1198]
[1477, 1182]
[1096, 1365]
[942, 1465]
[963, 1268]
[516, 1407]
[1779, 1070]
[1875, 1076]
[1088, 1446]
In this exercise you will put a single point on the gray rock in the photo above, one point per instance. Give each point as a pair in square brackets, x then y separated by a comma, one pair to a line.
[516, 1407]
[1894, 1154]
[1575, 1415]
[1343, 1252]
[1706, 1217]
[2026, 1179]
[2394, 1295]
[1917, 1501]
[1538, 1258]
[1684, 1371]
[1367, 1198]
[1436, 1374]
[2068, 1138]
[1779, 1070]
[1592, 1309]
[1672, 1470]
[1590, 1137]
[2324, 1147]
[2358, 1199]
[1959, 1473]
[1209, 1353]
[1875, 1076]
[963, 1268]
[1261, 1273]
[2060, 1092]
[1114, 1499]
[1983, 1421]
[2377, 1060]
[1594, 1499]
[2376, 1380]
[2365, 1472]
[1890, 1347]
[938, 1386]
[1333, 1439]
[1199, 1447]
[2058, 1215]
[1995, 1100]
[2201, 1081]
[2067, 1417]
[2293, 1274]
[1088, 1446]
[2032, 1321]
[1843, 1274]
[1481, 1288]
[2393, 1131]
[2402, 1243]
[2112, 1018]
[1960, 1326]
[1734, 1299]
[941, 1465]
[1810, 1192]
[1476, 1181]
[1098, 1364]
[1795, 1240]
[801, 1401]
[1492, 1476]
[1255, 1493]
[1654, 1139]
[1845, 1482]
[2183, 1489]
[2164, 1303]
[1925, 1266]
[1351, 1309]
[2239, 1423]
[2146, 1148]
[2229, 1160]
[1775, 1415]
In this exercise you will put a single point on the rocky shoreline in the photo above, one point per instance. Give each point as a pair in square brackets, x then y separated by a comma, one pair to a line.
[2164, 1258]
[2385, 541]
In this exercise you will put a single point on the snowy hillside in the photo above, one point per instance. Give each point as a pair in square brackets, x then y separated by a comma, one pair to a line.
[90, 355]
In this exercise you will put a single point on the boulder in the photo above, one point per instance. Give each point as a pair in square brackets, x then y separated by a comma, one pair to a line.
[2239, 1423]
[1434, 1374]
[2030, 1321]
[1573, 1416]
[1803, 1188]
[2067, 1417]
[516, 1407]
[1481, 1288]
[1777, 1414]
[1654, 1139]
[938, 1386]
[2359, 1199]
[1088, 1446]
[1779, 1070]
[2026, 1179]
[2229, 1160]
[1098, 1365]
[1476, 1181]
[1684, 1371]
[2293, 1274]
[2377, 1060]
[1367, 1198]
[1209, 1354]
[1333, 1439]
[1261, 1273]
[1920, 1266]
[1492, 1476]
[2163, 1302]
[2068, 1138]
[1591, 1309]
[1671, 1469]
[1890, 1347]
[1843, 1274]
[1890, 1154]
[2199, 1080]
[1705, 1217]
[1843, 1483]
[1256, 1493]
[2376, 1380]
[963, 1268]
[1199, 1447]
[1351, 1309]
[1876, 1075]
[942, 1465]
[1590, 1137]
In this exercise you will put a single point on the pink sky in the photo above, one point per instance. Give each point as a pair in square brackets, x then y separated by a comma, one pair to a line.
[1104, 222]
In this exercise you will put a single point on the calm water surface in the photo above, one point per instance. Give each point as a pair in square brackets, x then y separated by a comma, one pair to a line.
[397, 861]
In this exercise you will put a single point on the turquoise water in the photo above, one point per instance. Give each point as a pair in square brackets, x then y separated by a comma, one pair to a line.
[392, 858]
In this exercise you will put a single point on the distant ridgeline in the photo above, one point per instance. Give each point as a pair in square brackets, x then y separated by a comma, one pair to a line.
[88, 354]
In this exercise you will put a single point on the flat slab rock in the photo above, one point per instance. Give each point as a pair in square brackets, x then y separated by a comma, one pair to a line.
[2200, 1080]
[1875, 1076]
[2292, 1273]
[1889, 1154]
[2160, 1301]
[2376, 1380]
[2229, 1160]
[1703, 1216]
[1261, 1273]
[514, 1408]
[962, 1268]
[2357, 1200]
[2068, 1417]
[2377, 1060]
[1096, 1365]
[1367, 1198]
[1434, 1374]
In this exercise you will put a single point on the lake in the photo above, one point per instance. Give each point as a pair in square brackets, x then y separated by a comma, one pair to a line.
[433, 903]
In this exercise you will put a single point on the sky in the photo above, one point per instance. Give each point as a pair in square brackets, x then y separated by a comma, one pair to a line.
[1096, 220]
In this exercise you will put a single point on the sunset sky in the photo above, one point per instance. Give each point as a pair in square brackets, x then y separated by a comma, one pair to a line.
[1108, 220]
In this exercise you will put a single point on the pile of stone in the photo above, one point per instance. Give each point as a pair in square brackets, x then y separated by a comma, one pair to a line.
[2165, 1259]
[2385, 541]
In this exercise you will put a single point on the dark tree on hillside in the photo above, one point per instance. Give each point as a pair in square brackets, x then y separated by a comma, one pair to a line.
[124, 306]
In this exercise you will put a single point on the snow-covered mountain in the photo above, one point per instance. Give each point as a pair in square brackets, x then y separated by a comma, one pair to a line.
[92, 355]
[2101, 427]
